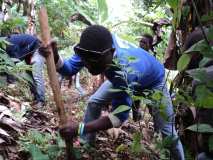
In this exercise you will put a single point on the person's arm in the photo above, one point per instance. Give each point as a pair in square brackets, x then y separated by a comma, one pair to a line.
[112, 120]
[69, 67]
[102, 123]
[71, 128]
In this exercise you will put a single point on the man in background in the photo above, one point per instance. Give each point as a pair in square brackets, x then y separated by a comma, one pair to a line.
[24, 47]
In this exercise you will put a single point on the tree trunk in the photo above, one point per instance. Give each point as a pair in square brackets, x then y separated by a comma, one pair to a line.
[31, 18]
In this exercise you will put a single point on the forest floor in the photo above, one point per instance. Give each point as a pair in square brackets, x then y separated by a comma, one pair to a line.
[26, 131]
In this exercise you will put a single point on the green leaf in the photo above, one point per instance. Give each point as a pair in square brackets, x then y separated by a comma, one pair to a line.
[36, 153]
[198, 74]
[204, 61]
[168, 141]
[201, 47]
[175, 5]
[185, 11]
[136, 146]
[132, 59]
[201, 128]
[128, 38]
[37, 137]
[102, 10]
[121, 108]
[60, 142]
[146, 101]
[162, 110]
[77, 153]
[115, 90]
[204, 97]
[121, 148]
[136, 98]
[53, 151]
[207, 17]
[157, 95]
[81, 11]
[183, 62]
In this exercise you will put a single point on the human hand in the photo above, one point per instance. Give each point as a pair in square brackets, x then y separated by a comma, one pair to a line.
[45, 50]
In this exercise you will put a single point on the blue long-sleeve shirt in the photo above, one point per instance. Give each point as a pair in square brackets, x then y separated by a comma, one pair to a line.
[21, 45]
[136, 70]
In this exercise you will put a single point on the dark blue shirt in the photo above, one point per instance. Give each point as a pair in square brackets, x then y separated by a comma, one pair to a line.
[136, 69]
[21, 45]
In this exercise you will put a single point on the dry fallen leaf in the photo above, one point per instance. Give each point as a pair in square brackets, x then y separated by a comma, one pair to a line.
[15, 105]
[2, 141]
[4, 133]
[115, 132]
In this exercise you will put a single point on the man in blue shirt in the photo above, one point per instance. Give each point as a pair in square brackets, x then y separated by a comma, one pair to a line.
[126, 67]
[25, 47]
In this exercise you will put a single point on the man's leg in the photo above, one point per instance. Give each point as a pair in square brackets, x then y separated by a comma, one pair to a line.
[167, 124]
[37, 74]
[96, 102]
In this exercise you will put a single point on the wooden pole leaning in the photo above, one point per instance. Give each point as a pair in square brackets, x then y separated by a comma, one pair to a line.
[45, 35]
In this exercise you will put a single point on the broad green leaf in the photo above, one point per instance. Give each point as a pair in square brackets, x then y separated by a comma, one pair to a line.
[168, 141]
[81, 11]
[157, 95]
[128, 38]
[60, 142]
[201, 128]
[102, 10]
[204, 97]
[146, 101]
[198, 75]
[136, 98]
[77, 153]
[38, 138]
[201, 47]
[36, 153]
[132, 59]
[183, 62]
[25, 77]
[185, 11]
[175, 5]
[121, 108]
[179, 99]
[53, 151]
[204, 61]
[207, 17]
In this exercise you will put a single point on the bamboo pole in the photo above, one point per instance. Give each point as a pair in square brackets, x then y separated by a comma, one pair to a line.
[45, 34]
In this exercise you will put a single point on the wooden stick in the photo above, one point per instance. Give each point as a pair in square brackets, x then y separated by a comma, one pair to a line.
[45, 33]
